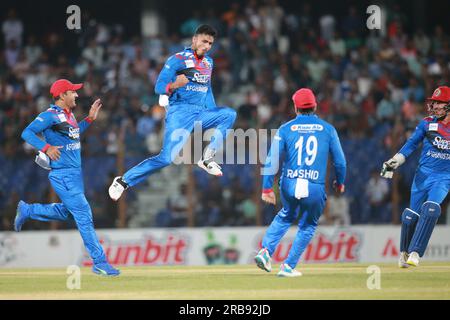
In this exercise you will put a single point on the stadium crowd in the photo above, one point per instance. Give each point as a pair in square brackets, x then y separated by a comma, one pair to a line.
[370, 84]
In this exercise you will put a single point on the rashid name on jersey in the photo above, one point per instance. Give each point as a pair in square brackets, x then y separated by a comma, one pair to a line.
[305, 143]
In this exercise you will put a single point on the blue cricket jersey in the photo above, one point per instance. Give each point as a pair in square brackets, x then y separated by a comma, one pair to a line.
[305, 143]
[435, 156]
[198, 70]
[59, 128]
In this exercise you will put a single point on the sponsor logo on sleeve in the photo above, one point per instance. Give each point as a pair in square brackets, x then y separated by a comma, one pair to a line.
[306, 127]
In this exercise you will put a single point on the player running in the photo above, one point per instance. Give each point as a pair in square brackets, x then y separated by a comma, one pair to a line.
[184, 86]
[305, 143]
[431, 181]
[61, 154]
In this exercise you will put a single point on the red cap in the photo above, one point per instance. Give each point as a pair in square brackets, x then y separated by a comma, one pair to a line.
[63, 85]
[304, 99]
[441, 94]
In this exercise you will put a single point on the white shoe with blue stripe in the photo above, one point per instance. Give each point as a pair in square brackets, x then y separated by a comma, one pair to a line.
[263, 260]
[287, 271]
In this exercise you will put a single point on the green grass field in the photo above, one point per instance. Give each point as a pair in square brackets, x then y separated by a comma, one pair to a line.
[325, 281]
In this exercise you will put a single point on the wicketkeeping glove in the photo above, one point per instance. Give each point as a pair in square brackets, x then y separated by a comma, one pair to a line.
[387, 171]
[43, 161]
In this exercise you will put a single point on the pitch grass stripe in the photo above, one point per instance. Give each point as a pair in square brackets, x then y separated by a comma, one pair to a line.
[337, 281]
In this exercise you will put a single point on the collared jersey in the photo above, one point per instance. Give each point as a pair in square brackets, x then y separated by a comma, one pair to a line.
[305, 142]
[198, 70]
[435, 156]
[59, 128]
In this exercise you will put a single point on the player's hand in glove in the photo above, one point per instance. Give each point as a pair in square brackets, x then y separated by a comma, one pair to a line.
[268, 196]
[387, 171]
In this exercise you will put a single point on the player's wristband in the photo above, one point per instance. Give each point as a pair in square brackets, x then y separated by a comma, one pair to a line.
[265, 191]
[168, 91]
[45, 148]
[88, 120]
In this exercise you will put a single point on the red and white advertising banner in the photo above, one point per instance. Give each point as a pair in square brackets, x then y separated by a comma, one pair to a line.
[203, 246]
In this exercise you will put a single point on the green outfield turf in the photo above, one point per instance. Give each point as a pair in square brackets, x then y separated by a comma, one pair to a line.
[325, 281]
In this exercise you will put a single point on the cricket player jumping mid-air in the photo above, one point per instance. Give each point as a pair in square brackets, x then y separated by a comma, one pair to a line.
[305, 143]
[184, 86]
[431, 181]
[61, 154]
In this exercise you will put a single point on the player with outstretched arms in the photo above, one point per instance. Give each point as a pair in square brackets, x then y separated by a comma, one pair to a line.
[60, 152]
[184, 86]
[431, 181]
[305, 143]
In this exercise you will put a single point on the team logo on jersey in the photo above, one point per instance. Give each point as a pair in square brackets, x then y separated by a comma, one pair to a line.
[433, 127]
[62, 117]
[306, 127]
[189, 63]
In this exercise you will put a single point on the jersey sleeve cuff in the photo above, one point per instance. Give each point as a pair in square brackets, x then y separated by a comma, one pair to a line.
[45, 148]
[265, 191]
[88, 120]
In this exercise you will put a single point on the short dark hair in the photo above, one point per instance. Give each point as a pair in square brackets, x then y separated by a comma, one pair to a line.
[306, 110]
[206, 29]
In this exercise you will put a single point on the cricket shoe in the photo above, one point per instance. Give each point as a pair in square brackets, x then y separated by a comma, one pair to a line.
[413, 259]
[287, 271]
[105, 269]
[402, 260]
[22, 215]
[210, 166]
[117, 187]
[263, 260]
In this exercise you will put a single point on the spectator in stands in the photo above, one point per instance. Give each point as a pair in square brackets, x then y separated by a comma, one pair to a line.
[339, 209]
[12, 28]
[179, 207]
[369, 80]
[377, 192]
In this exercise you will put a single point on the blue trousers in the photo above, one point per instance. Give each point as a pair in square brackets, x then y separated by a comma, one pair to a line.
[427, 187]
[179, 123]
[68, 185]
[310, 208]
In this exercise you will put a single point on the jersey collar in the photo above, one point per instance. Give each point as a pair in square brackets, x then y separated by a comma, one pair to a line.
[306, 115]
[58, 108]
[195, 54]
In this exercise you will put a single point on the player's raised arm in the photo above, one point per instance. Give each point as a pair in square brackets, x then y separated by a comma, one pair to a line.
[92, 116]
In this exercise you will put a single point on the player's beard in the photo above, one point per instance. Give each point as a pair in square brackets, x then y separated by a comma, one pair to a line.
[200, 54]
